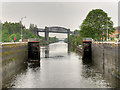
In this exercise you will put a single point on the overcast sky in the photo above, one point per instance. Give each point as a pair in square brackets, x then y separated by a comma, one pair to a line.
[65, 14]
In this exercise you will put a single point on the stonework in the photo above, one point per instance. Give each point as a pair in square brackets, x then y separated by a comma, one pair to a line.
[106, 57]
[13, 56]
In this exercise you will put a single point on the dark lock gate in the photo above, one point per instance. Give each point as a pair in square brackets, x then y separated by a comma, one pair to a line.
[87, 52]
[34, 51]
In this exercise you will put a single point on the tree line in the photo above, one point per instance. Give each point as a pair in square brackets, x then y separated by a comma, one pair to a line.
[11, 30]
[96, 25]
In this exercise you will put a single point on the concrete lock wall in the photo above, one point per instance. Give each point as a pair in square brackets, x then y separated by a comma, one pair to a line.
[13, 56]
[106, 57]
[0, 67]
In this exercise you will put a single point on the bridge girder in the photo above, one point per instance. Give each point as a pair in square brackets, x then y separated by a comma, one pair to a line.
[55, 30]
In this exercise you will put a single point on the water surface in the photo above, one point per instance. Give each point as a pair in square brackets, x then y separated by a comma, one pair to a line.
[59, 69]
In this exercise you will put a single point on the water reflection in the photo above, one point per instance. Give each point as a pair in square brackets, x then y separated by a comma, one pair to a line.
[8, 81]
[47, 51]
[58, 69]
[33, 65]
[93, 75]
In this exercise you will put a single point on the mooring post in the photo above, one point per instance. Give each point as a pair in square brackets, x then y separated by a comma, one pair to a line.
[47, 35]
[68, 40]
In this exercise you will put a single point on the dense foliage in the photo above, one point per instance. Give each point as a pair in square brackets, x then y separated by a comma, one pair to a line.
[11, 30]
[75, 40]
[96, 24]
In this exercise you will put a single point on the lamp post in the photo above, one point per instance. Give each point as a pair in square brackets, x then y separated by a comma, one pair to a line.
[107, 29]
[21, 28]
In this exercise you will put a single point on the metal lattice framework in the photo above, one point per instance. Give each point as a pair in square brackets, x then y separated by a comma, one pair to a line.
[54, 30]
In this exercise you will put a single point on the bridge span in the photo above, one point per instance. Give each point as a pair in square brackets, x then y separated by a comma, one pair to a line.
[55, 29]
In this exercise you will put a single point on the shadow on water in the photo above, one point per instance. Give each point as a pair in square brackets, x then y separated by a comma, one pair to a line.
[8, 83]
[87, 62]
[90, 71]
[33, 65]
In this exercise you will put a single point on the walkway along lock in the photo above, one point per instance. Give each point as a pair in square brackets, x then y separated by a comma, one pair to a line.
[34, 52]
[87, 49]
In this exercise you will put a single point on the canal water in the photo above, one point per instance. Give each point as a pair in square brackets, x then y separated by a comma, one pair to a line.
[58, 69]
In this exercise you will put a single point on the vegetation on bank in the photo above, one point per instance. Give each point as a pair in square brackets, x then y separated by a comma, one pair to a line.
[75, 40]
[11, 30]
[51, 40]
[96, 25]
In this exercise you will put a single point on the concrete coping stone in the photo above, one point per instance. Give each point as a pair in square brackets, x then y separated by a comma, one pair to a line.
[12, 44]
[106, 42]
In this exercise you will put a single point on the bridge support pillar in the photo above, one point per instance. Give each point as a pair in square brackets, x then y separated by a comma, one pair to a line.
[47, 35]
[68, 40]
[38, 34]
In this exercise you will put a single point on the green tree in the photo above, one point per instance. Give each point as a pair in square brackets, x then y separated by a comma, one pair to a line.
[11, 37]
[18, 36]
[5, 35]
[96, 24]
[31, 28]
[11, 30]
